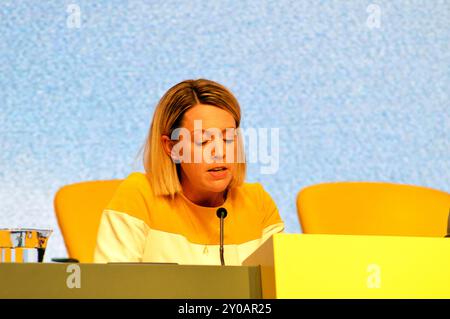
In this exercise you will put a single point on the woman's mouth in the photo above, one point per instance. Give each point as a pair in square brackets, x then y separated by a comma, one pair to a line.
[218, 172]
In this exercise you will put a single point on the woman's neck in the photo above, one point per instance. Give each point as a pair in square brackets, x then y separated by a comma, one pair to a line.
[207, 199]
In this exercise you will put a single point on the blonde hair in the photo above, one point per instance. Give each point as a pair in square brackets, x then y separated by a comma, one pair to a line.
[160, 169]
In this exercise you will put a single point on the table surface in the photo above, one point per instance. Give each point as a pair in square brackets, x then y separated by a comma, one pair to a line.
[137, 281]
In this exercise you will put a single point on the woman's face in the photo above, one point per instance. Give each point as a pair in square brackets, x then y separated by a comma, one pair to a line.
[212, 173]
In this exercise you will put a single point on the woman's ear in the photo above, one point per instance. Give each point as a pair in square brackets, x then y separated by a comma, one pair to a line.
[168, 144]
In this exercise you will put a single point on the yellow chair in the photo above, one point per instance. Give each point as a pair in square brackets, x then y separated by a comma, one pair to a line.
[78, 209]
[370, 208]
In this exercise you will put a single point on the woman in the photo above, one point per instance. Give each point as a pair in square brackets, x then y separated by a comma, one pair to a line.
[193, 163]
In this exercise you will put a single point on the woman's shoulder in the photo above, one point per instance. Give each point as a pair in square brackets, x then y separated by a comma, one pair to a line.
[267, 207]
[250, 187]
[135, 185]
[252, 190]
[136, 177]
[131, 196]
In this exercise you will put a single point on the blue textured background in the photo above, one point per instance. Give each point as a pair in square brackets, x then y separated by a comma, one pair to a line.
[351, 102]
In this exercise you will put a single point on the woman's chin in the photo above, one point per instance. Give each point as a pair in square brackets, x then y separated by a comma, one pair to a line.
[218, 186]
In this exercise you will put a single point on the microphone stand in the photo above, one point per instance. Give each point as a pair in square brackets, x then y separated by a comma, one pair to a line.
[221, 214]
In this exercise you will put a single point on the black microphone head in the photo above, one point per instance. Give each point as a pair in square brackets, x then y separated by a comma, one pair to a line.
[221, 212]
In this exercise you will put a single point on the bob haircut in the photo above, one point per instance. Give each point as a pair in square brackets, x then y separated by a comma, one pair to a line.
[161, 170]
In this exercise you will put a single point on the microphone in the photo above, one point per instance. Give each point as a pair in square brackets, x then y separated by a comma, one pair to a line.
[221, 213]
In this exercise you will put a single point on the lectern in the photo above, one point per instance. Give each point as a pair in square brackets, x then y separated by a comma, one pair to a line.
[285, 266]
[127, 281]
[348, 266]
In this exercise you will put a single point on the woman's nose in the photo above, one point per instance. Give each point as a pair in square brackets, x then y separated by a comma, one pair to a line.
[218, 151]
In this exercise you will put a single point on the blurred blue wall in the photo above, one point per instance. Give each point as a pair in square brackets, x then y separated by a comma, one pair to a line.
[359, 92]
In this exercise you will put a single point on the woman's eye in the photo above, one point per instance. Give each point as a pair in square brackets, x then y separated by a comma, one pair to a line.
[203, 142]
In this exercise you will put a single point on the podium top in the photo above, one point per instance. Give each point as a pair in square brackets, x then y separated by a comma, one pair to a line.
[136, 281]
[353, 266]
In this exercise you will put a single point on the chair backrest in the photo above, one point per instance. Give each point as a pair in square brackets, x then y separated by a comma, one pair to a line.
[370, 208]
[79, 208]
